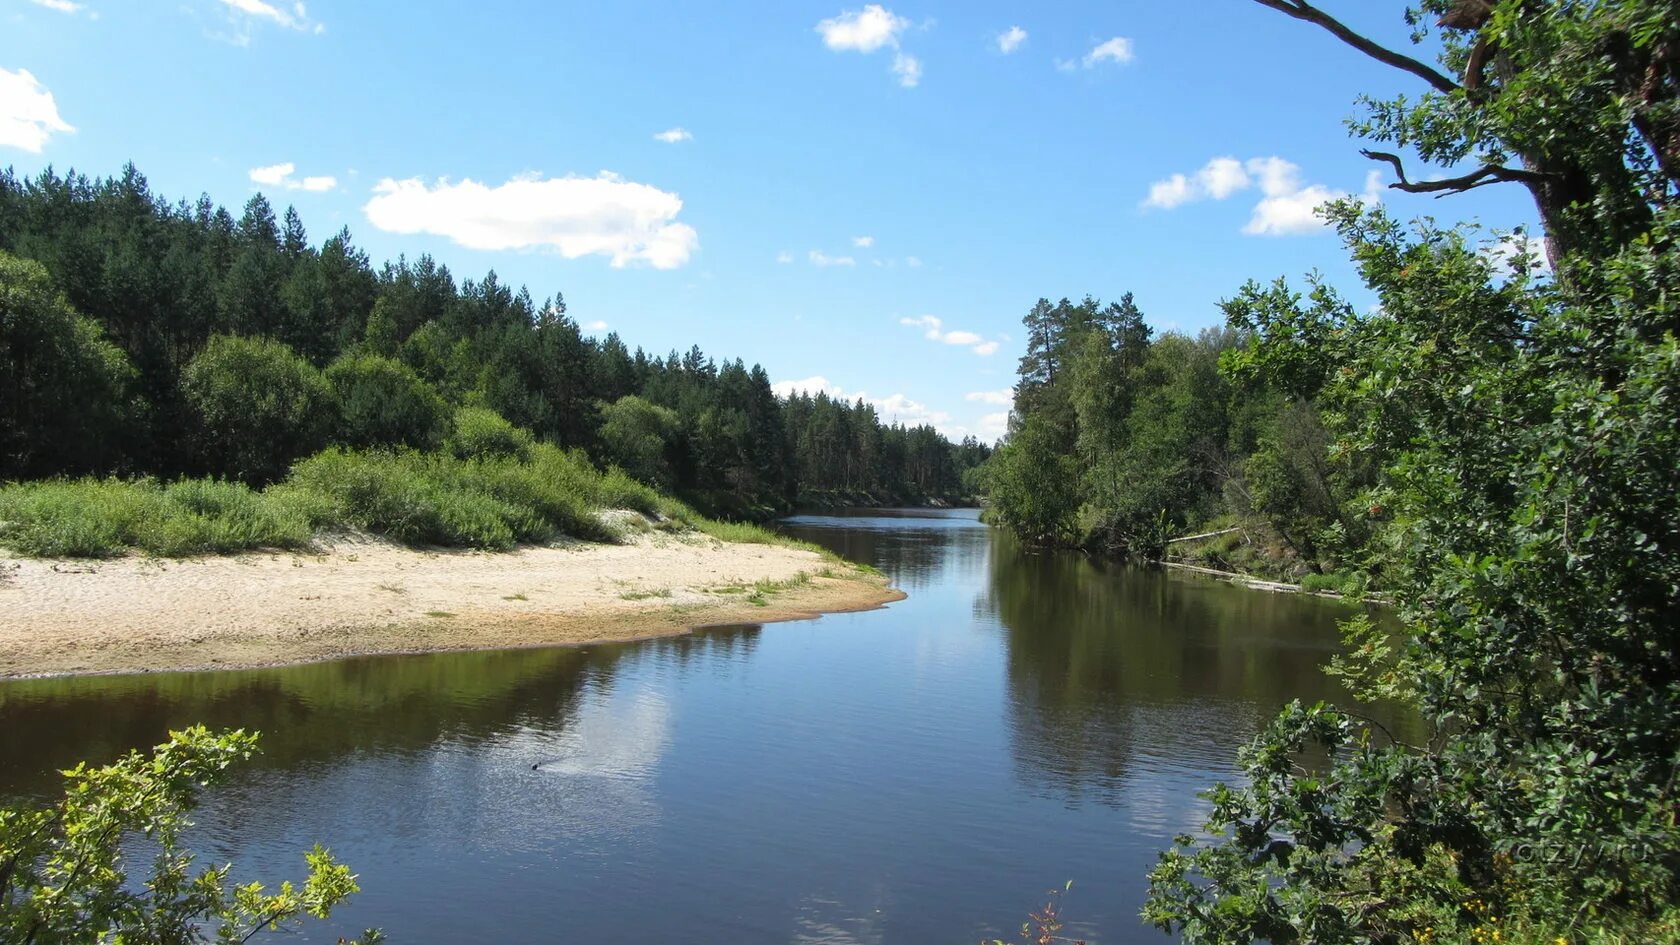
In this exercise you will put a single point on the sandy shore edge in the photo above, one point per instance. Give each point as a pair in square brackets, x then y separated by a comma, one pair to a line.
[363, 597]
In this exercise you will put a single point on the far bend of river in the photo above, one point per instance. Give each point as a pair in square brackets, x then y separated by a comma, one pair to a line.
[918, 774]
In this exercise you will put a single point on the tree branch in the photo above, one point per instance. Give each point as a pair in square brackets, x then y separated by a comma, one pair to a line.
[1302, 10]
[1480, 177]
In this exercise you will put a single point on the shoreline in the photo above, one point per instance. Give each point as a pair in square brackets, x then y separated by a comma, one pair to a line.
[360, 597]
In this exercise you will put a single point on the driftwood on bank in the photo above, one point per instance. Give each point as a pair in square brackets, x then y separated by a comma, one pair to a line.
[1260, 584]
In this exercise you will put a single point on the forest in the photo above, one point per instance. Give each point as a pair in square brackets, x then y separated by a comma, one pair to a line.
[145, 338]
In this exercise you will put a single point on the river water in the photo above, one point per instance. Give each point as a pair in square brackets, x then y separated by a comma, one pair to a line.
[921, 773]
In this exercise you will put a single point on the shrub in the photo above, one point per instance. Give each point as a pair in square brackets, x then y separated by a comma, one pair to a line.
[480, 431]
[382, 403]
[65, 876]
[261, 406]
[638, 436]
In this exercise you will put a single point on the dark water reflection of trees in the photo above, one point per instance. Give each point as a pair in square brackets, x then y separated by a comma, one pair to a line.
[324, 711]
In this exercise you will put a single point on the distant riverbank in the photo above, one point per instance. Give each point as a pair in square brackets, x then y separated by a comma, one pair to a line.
[359, 597]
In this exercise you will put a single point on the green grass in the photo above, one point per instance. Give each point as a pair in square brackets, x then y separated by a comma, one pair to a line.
[486, 501]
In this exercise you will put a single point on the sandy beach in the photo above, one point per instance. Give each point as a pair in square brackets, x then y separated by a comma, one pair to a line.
[357, 597]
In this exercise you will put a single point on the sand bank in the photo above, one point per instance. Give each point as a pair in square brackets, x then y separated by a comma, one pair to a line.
[354, 597]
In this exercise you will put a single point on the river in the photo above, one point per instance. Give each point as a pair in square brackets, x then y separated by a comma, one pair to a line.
[921, 773]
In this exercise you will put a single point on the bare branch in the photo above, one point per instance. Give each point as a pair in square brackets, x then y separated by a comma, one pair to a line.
[1480, 177]
[1302, 10]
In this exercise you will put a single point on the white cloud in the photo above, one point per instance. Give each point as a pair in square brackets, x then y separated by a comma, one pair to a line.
[604, 215]
[933, 329]
[863, 242]
[1286, 207]
[280, 175]
[28, 114]
[1011, 39]
[820, 258]
[914, 262]
[784, 257]
[994, 425]
[893, 408]
[63, 6]
[998, 397]
[871, 29]
[1218, 179]
[596, 325]
[246, 14]
[908, 69]
[1171, 192]
[897, 408]
[814, 385]
[1117, 50]
[1222, 177]
[863, 30]
[674, 135]
[273, 175]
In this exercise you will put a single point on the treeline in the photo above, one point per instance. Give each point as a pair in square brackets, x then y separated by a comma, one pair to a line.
[144, 337]
[1122, 439]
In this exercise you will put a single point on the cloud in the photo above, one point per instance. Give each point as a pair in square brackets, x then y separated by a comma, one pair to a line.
[280, 175]
[933, 329]
[871, 29]
[64, 6]
[1218, 179]
[1117, 50]
[864, 30]
[1011, 39]
[784, 257]
[28, 114]
[994, 425]
[814, 385]
[998, 397]
[914, 262]
[893, 408]
[820, 258]
[604, 215]
[908, 69]
[863, 242]
[674, 135]
[596, 325]
[897, 408]
[1286, 207]
[247, 14]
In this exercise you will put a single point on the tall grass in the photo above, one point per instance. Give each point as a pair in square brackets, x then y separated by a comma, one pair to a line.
[533, 496]
[98, 518]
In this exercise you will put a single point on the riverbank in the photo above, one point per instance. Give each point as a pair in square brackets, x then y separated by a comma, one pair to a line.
[352, 597]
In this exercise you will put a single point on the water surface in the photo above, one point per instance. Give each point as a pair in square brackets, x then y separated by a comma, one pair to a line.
[915, 774]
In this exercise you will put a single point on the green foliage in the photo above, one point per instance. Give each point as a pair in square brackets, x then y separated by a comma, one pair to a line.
[383, 403]
[65, 391]
[66, 875]
[258, 406]
[103, 518]
[639, 436]
[481, 432]
[1524, 435]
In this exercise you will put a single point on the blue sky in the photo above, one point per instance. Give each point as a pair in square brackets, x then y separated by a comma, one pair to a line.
[866, 197]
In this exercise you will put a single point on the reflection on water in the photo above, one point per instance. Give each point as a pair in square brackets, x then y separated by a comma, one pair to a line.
[919, 773]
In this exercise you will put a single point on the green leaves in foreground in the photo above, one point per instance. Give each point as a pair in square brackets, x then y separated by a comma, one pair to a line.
[64, 870]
